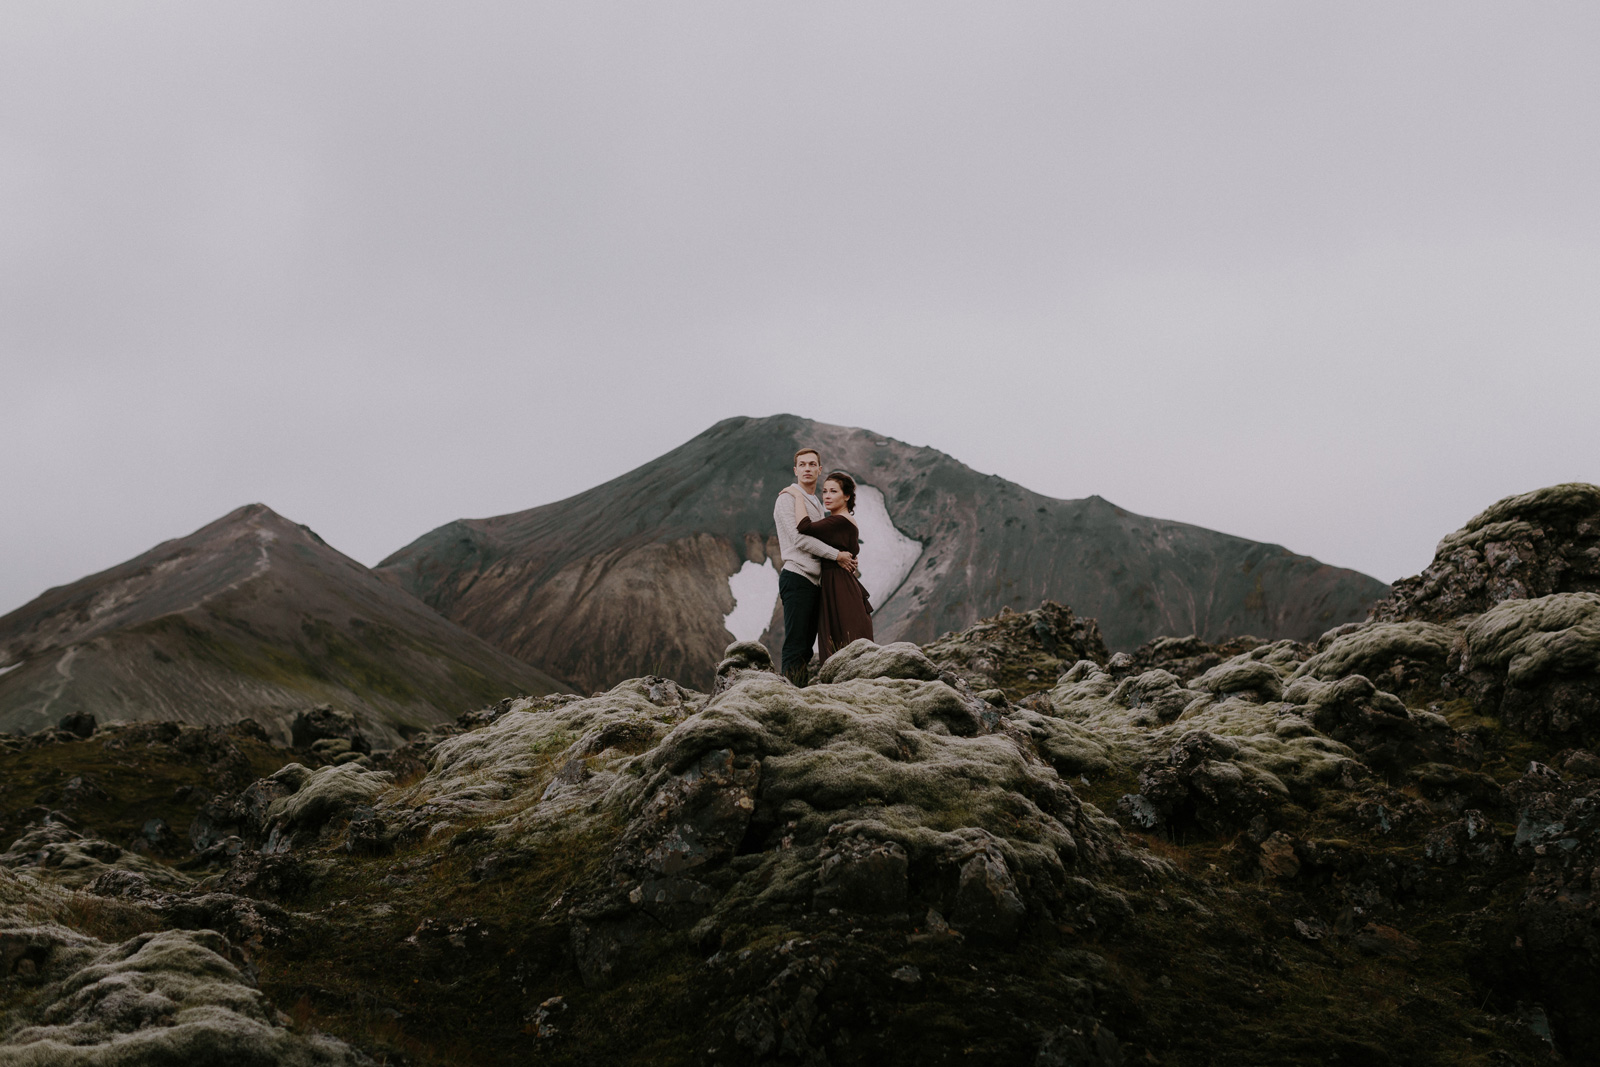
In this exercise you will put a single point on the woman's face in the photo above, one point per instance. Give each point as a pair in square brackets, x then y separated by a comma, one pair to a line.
[832, 496]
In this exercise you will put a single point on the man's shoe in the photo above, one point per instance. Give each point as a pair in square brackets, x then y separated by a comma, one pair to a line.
[799, 674]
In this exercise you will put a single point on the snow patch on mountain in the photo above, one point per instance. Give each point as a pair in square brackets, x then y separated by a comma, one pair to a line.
[887, 555]
[755, 591]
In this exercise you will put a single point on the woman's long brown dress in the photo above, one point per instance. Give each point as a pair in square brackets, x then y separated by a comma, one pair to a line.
[846, 612]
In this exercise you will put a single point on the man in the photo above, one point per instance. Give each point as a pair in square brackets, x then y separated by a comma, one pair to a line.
[800, 581]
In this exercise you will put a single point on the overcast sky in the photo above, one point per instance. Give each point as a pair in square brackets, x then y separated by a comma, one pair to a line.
[1323, 275]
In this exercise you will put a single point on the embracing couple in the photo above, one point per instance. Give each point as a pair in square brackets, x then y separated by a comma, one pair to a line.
[820, 585]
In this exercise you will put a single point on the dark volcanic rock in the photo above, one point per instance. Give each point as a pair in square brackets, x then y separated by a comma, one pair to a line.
[1535, 664]
[1532, 545]
[695, 821]
[323, 723]
[1389, 736]
[242, 919]
[740, 658]
[79, 723]
[1019, 652]
[858, 874]
[1549, 950]
[630, 577]
[1184, 657]
[1083, 1042]
[276, 876]
[451, 948]
[1200, 782]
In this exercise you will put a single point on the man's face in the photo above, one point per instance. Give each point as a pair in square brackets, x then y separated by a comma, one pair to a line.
[806, 469]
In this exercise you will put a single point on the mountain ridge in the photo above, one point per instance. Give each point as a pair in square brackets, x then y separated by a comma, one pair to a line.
[630, 576]
[251, 615]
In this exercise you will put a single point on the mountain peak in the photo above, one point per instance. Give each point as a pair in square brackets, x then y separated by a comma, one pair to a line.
[252, 614]
[633, 576]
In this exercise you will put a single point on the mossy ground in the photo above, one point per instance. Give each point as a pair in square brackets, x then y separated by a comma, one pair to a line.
[1208, 966]
[121, 788]
[1207, 969]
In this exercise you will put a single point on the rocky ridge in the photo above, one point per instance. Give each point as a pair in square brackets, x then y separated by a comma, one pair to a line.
[1374, 847]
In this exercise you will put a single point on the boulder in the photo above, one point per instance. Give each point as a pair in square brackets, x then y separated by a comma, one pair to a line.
[693, 822]
[1243, 677]
[858, 874]
[1549, 951]
[174, 996]
[740, 658]
[1389, 736]
[1082, 1042]
[318, 798]
[448, 949]
[1536, 664]
[1019, 652]
[242, 919]
[275, 876]
[863, 659]
[1523, 547]
[987, 902]
[1395, 655]
[1186, 657]
[79, 724]
[293, 803]
[1202, 781]
[325, 723]
[1158, 691]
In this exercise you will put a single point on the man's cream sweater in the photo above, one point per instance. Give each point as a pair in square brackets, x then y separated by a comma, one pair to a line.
[802, 553]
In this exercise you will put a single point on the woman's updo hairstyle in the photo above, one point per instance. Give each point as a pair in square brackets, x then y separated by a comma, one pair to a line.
[847, 485]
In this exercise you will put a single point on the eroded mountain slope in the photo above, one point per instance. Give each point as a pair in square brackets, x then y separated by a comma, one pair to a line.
[251, 616]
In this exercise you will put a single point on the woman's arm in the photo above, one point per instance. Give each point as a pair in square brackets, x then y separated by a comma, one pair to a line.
[790, 540]
[831, 532]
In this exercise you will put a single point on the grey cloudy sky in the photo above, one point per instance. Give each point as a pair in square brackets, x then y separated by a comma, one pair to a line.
[1325, 275]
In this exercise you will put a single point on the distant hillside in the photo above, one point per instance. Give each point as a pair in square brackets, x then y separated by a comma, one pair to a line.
[253, 616]
[631, 577]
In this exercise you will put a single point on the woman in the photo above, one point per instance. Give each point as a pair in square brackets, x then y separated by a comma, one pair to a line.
[846, 611]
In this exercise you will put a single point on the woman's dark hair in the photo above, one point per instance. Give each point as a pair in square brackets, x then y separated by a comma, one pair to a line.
[848, 485]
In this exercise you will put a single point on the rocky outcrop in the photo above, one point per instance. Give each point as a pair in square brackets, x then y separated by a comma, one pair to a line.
[1536, 665]
[53, 853]
[1511, 607]
[1526, 546]
[631, 577]
[168, 996]
[1553, 947]
[1019, 652]
[291, 804]
[252, 617]
[1399, 655]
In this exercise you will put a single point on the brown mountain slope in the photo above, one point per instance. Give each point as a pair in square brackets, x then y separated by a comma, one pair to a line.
[630, 577]
[253, 616]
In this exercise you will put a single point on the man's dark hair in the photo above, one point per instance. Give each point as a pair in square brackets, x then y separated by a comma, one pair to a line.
[813, 451]
[847, 484]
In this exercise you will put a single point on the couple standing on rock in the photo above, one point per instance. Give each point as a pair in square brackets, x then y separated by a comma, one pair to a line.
[819, 584]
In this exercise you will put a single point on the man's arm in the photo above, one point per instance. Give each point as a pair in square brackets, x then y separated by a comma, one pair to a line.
[783, 516]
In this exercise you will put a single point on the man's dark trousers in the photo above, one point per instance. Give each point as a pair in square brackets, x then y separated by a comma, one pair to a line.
[802, 604]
